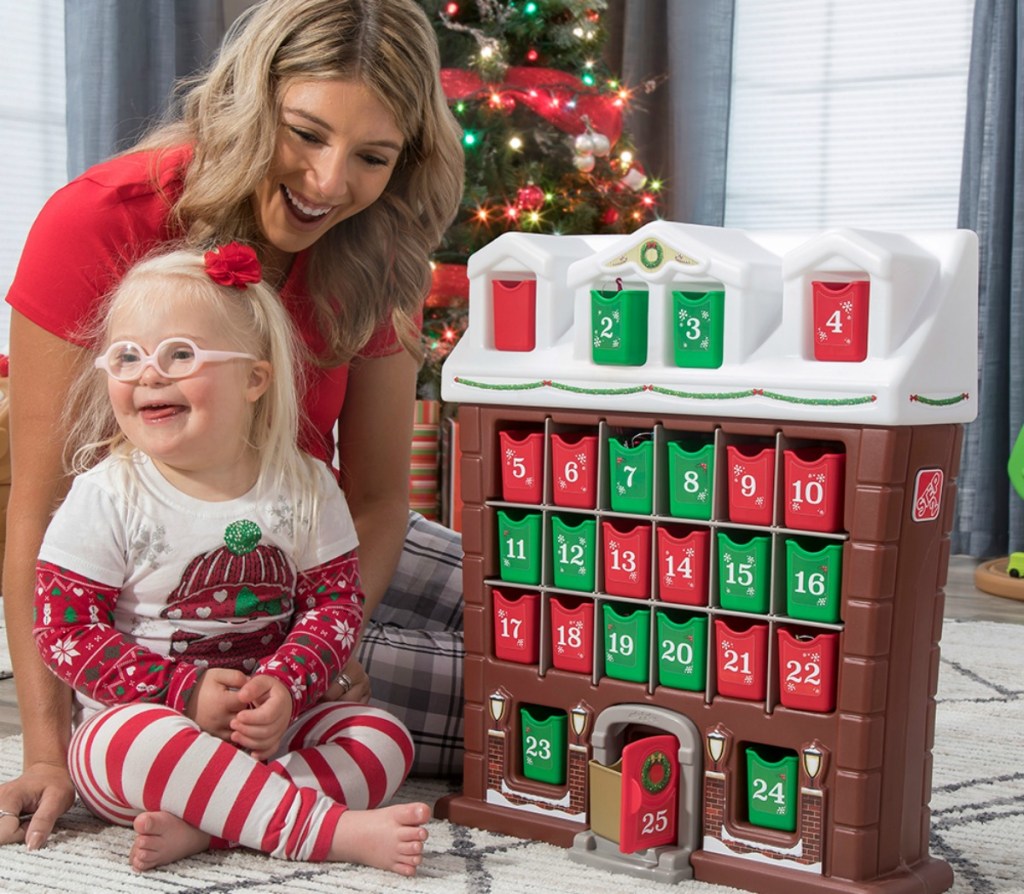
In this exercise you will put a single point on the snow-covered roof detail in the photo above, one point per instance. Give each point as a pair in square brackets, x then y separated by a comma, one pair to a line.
[847, 325]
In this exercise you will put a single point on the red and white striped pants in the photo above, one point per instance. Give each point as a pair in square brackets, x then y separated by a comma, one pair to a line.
[142, 757]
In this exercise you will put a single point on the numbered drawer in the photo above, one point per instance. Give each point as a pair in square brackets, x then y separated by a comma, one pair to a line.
[751, 483]
[744, 571]
[815, 479]
[574, 470]
[772, 776]
[627, 559]
[807, 670]
[741, 660]
[841, 320]
[619, 327]
[516, 626]
[631, 476]
[683, 566]
[682, 650]
[522, 466]
[573, 552]
[627, 640]
[572, 634]
[519, 546]
[691, 474]
[698, 327]
[544, 746]
[514, 306]
[814, 574]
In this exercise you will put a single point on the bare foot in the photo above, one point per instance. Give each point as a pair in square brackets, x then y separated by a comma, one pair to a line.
[386, 838]
[162, 838]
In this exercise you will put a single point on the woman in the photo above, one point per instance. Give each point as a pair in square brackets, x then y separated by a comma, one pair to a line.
[321, 136]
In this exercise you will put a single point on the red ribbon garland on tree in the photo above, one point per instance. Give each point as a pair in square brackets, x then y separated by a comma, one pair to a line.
[556, 96]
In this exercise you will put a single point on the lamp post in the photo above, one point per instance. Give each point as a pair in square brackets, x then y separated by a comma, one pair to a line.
[497, 705]
[578, 718]
[813, 758]
[716, 746]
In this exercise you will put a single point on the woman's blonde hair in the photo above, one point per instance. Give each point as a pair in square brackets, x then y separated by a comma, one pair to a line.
[251, 319]
[377, 263]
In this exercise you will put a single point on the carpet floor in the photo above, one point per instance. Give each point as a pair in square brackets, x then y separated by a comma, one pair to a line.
[977, 819]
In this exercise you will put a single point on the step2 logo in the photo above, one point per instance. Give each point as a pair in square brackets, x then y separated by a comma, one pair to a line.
[927, 495]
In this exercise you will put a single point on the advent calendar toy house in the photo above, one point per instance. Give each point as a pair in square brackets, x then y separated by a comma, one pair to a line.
[708, 478]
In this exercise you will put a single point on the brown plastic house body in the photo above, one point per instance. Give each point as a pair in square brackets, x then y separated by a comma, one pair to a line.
[859, 806]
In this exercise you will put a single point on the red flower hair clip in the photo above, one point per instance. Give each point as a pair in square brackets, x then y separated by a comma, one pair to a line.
[233, 264]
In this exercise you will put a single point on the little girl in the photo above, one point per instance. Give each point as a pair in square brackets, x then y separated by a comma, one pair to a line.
[199, 589]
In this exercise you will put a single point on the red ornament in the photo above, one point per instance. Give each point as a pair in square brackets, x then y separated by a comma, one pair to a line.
[610, 217]
[530, 198]
[532, 55]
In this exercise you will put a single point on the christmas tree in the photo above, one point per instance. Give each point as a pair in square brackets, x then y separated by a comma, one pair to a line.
[543, 136]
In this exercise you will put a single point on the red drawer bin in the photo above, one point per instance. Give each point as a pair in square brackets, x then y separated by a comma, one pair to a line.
[841, 320]
[807, 670]
[626, 559]
[815, 479]
[515, 314]
[742, 660]
[683, 566]
[516, 626]
[574, 470]
[751, 478]
[522, 466]
[572, 634]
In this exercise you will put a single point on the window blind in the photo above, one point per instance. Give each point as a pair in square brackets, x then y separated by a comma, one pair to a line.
[33, 142]
[847, 113]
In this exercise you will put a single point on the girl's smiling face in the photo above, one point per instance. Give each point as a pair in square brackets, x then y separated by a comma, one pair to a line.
[337, 147]
[194, 429]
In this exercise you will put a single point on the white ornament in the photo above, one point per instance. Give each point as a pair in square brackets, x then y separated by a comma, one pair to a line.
[584, 163]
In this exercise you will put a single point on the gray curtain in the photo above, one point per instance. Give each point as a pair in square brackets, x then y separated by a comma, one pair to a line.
[681, 129]
[990, 516]
[122, 59]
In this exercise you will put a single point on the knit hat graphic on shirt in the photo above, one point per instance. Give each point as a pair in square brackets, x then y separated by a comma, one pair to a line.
[233, 605]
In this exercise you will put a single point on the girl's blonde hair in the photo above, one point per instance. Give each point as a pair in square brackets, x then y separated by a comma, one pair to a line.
[251, 319]
[371, 266]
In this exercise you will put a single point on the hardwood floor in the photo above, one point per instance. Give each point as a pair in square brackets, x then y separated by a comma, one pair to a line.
[963, 601]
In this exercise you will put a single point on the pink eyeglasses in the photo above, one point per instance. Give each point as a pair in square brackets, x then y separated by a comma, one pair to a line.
[174, 358]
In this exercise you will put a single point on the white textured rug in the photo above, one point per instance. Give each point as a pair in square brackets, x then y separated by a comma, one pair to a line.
[977, 803]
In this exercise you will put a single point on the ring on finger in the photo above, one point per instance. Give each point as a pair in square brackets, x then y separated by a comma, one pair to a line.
[346, 682]
[21, 817]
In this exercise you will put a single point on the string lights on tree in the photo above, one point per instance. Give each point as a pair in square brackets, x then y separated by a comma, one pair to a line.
[545, 146]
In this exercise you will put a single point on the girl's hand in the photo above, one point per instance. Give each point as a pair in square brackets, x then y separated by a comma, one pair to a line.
[260, 727]
[215, 701]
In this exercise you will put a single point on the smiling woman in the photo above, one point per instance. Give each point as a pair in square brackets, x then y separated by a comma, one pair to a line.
[321, 138]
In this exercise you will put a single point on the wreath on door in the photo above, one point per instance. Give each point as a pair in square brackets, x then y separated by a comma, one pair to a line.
[654, 785]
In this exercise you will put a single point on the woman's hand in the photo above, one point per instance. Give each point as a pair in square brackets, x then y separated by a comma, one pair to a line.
[260, 727]
[352, 685]
[43, 793]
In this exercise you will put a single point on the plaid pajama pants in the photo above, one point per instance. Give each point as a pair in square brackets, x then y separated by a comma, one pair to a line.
[412, 647]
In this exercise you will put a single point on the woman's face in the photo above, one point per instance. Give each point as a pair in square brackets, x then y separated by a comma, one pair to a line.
[336, 149]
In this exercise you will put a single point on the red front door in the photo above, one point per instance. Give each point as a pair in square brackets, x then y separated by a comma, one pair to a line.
[650, 793]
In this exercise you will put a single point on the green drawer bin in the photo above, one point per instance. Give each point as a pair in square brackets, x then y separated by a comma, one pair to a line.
[519, 546]
[544, 749]
[691, 472]
[573, 552]
[771, 788]
[814, 573]
[744, 571]
[627, 641]
[698, 327]
[619, 327]
[631, 473]
[682, 650]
